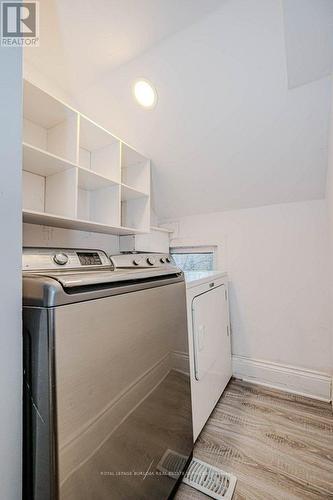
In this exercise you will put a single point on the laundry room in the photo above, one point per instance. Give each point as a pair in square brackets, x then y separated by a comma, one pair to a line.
[166, 207]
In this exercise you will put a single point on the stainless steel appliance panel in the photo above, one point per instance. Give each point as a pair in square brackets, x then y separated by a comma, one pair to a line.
[118, 389]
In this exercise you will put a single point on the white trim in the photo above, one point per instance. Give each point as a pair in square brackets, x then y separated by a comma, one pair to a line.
[288, 378]
[162, 229]
[194, 249]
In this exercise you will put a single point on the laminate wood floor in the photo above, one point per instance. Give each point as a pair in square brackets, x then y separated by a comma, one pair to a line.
[279, 445]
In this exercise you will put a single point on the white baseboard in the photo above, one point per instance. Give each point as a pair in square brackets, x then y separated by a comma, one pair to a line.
[180, 361]
[284, 377]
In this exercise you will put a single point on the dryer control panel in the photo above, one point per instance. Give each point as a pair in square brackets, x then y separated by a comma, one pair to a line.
[142, 260]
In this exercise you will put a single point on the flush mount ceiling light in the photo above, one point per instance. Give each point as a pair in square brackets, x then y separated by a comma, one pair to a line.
[145, 93]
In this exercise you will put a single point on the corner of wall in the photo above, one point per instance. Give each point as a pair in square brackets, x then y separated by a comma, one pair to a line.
[329, 202]
[11, 301]
[35, 76]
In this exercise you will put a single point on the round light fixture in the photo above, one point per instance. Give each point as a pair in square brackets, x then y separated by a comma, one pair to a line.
[145, 93]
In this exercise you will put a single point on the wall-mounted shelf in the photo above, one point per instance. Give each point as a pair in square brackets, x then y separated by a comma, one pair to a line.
[135, 213]
[49, 124]
[99, 151]
[129, 193]
[76, 174]
[54, 194]
[33, 217]
[40, 162]
[100, 205]
[161, 229]
[92, 180]
[135, 169]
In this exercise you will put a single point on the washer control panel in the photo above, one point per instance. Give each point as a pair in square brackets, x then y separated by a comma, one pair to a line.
[38, 259]
[151, 261]
[89, 258]
[60, 258]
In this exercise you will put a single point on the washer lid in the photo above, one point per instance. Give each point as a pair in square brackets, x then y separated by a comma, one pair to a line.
[96, 277]
[53, 277]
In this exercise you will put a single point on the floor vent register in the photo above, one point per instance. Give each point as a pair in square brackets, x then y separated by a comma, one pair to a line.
[210, 480]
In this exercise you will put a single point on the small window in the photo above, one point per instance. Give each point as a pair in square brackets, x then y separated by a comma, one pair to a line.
[194, 258]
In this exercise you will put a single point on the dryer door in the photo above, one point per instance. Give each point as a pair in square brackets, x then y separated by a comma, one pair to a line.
[210, 332]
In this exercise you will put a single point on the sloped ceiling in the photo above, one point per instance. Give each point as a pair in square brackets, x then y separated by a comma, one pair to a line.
[81, 39]
[227, 132]
[308, 26]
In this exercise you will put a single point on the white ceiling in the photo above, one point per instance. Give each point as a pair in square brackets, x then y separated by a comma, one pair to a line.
[81, 39]
[227, 132]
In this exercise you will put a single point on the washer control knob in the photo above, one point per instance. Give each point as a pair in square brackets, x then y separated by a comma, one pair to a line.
[168, 259]
[163, 260]
[137, 261]
[151, 261]
[60, 258]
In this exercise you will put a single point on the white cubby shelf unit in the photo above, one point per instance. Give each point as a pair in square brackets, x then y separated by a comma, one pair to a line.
[76, 174]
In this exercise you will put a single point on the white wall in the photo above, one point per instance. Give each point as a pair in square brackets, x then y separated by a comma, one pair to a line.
[10, 290]
[277, 260]
[44, 236]
[31, 73]
[329, 201]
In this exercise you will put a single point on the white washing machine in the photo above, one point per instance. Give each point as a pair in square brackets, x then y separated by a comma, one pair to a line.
[209, 341]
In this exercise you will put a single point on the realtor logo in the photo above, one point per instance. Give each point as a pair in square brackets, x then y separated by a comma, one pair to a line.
[19, 24]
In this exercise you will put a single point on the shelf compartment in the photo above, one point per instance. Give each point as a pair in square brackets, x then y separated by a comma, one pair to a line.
[99, 151]
[135, 213]
[97, 203]
[40, 162]
[91, 180]
[35, 217]
[48, 124]
[135, 169]
[129, 193]
[56, 193]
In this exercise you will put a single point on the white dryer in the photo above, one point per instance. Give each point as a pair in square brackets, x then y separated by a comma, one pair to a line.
[209, 341]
